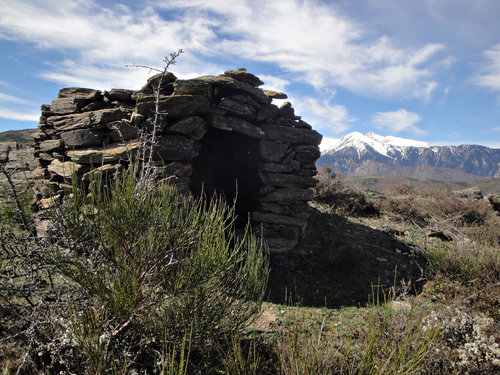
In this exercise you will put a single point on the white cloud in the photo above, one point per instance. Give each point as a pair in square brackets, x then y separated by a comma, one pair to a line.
[274, 83]
[307, 39]
[497, 129]
[322, 115]
[489, 71]
[14, 99]
[19, 116]
[397, 121]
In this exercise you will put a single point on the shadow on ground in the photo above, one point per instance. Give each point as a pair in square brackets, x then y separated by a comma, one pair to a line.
[341, 262]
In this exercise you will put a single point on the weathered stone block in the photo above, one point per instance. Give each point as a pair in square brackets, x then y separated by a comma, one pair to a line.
[112, 153]
[122, 130]
[119, 94]
[288, 195]
[39, 136]
[292, 135]
[103, 171]
[287, 111]
[230, 86]
[40, 174]
[265, 217]
[52, 145]
[273, 208]
[281, 245]
[275, 94]
[242, 75]
[83, 138]
[236, 108]
[173, 148]
[287, 180]
[275, 168]
[65, 169]
[90, 120]
[80, 93]
[63, 106]
[271, 151]
[193, 127]
[175, 107]
[235, 124]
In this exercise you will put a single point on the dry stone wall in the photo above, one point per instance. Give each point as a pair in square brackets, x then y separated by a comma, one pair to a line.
[221, 134]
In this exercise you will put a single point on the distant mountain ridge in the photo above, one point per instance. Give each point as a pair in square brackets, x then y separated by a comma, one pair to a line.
[359, 154]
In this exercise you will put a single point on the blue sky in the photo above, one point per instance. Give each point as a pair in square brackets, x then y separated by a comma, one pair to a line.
[428, 70]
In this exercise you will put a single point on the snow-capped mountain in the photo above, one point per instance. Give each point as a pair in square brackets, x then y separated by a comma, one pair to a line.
[370, 153]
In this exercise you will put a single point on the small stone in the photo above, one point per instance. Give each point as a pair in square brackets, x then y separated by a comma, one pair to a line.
[275, 94]
[64, 169]
[119, 94]
[242, 75]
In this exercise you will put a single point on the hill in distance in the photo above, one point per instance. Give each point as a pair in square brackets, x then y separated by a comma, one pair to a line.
[22, 137]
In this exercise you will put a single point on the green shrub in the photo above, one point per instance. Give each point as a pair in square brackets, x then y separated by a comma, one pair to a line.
[129, 277]
[154, 264]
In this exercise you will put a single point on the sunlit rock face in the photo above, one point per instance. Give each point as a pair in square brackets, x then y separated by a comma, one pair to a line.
[219, 135]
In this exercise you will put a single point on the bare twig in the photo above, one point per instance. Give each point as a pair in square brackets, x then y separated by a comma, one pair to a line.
[148, 140]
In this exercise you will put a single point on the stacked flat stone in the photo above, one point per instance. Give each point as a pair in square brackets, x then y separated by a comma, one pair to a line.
[85, 130]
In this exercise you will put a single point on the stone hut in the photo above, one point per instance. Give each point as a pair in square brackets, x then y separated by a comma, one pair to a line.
[221, 133]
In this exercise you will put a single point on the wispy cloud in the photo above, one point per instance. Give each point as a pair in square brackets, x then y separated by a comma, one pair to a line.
[18, 116]
[497, 129]
[274, 83]
[14, 99]
[397, 121]
[311, 41]
[489, 71]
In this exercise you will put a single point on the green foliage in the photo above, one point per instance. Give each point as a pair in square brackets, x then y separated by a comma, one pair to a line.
[155, 264]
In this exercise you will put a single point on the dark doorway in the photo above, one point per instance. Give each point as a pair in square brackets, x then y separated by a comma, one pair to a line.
[227, 165]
